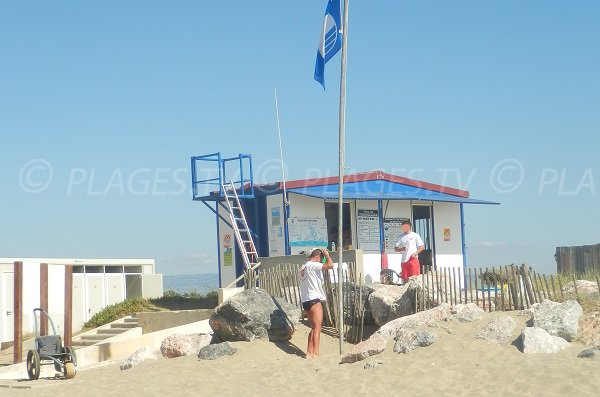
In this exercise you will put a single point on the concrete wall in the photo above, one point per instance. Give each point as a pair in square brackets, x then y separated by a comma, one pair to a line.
[157, 321]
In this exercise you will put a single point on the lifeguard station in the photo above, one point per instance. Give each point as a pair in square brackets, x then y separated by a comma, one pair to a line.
[274, 220]
[221, 183]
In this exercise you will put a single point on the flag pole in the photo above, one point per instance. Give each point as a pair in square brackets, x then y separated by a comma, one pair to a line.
[342, 148]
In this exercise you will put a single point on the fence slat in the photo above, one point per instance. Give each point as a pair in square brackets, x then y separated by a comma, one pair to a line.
[477, 289]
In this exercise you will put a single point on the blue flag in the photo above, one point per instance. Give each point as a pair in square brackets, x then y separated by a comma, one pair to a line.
[331, 39]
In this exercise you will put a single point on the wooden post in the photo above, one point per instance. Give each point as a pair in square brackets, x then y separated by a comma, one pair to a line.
[496, 290]
[476, 288]
[560, 287]
[43, 298]
[527, 283]
[18, 313]
[470, 286]
[555, 297]
[68, 325]
[501, 287]
[575, 286]
[548, 288]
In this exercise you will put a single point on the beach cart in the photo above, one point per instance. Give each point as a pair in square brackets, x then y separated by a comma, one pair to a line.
[49, 350]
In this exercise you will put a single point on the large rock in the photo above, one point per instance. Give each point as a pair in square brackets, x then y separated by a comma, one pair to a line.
[559, 319]
[594, 352]
[498, 331]
[178, 345]
[589, 329]
[427, 318]
[365, 349]
[408, 340]
[390, 302]
[538, 340]
[213, 352]
[354, 294]
[254, 314]
[583, 287]
[137, 357]
[468, 313]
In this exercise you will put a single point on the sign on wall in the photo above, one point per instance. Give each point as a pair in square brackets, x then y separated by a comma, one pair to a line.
[228, 251]
[367, 229]
[276, 232]
[447, 234]
[392, 229]
[305, 232]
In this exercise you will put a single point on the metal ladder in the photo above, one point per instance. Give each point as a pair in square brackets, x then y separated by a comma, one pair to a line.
[240, 227]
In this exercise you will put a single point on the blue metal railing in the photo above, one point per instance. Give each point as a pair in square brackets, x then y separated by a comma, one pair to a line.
[213, 186]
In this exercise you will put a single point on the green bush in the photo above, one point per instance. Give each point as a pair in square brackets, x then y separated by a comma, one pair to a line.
[115, 312]
[171, 300]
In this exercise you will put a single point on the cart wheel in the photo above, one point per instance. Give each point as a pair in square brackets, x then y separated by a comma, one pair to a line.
[70, 351]
[33, 365]
[70, 370]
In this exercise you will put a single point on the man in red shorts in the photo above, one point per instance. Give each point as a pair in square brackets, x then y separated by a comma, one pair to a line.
[410, 245]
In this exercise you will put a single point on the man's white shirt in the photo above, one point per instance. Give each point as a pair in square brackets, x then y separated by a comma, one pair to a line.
[411, 241]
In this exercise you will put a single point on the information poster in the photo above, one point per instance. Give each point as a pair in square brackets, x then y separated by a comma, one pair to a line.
[367, 229]
[306, 232]
[276, 243]
[392, 229]
[228, 251]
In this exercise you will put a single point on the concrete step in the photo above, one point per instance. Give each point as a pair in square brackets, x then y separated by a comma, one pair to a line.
[95, 337]
[124, 325]
[78, 344]
[130, 320]
[110, 331]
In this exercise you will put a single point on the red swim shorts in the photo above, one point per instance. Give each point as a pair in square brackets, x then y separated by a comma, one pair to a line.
[411, 268]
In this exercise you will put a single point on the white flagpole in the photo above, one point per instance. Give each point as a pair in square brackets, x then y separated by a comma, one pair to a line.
[342, 143]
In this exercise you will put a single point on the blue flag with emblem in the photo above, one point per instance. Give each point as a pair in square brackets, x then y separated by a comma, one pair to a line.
[331, 39]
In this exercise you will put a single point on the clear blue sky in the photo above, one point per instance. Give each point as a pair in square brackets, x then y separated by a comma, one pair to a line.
[112, 98]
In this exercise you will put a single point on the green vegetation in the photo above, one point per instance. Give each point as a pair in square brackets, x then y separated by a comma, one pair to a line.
[115, 312]
[171, 300]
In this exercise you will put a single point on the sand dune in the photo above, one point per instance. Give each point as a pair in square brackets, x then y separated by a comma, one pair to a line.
[455, 365]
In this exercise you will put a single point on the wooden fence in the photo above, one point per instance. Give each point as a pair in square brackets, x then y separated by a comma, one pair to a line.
[282, 282]
[581, 259]
[495, 289]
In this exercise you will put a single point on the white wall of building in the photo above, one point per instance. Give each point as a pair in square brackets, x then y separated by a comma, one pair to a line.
[227, 247]
[306, 206]
[448, 252]
[275, 222]
[91, 291]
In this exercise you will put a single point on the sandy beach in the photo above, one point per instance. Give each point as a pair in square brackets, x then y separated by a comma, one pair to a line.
[455, 365]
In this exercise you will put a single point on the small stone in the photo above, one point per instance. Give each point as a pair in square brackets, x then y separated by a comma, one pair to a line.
[213, 352]
[537, 340]
[408, 340]
[373, 364]
[370, 347]
[178, 345]
[137, 357]
[468, 313]
[498, 331]
[427, 318]
[594, 352]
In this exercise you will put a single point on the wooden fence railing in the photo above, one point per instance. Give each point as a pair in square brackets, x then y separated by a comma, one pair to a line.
[497, 288]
